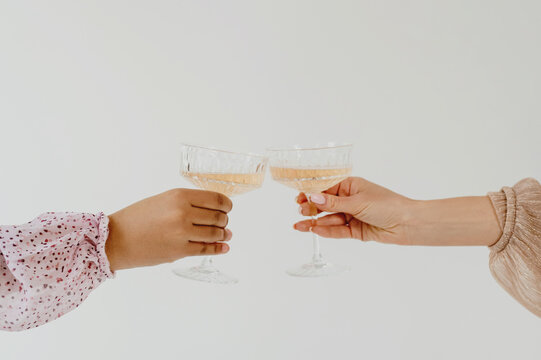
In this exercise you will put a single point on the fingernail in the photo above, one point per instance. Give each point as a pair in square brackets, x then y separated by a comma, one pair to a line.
[300, 210]
[317, 199]
[228, 234]
[225, 248]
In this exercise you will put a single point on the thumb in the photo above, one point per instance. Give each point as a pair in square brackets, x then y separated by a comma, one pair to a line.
[331, 203]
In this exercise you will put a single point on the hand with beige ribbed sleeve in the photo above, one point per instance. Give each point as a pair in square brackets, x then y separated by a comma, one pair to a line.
[508, 222]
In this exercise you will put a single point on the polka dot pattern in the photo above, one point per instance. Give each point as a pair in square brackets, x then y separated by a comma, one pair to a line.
[49, 266]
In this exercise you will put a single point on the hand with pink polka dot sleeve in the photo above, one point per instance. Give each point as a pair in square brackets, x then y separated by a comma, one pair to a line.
[49, 265]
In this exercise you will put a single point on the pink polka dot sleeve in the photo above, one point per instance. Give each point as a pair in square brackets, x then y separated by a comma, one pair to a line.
[49, 266]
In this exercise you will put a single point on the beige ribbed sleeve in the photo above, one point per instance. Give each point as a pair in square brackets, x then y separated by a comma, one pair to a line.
[515, 259]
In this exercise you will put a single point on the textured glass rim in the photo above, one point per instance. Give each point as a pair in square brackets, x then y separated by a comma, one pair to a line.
[347, 145]
[263, 157]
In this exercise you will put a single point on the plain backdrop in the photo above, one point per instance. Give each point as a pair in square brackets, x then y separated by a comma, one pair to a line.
[440, 98]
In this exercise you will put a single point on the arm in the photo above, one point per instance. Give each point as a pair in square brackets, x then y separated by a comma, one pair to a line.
[366, 211]
[49, 265]
[508, 221]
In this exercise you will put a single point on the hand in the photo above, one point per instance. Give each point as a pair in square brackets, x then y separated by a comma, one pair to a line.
[167, 227]
[366, 211]
[359, 209]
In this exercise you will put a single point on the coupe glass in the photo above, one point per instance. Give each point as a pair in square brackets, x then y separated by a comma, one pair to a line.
[312, 170]
[226, 172]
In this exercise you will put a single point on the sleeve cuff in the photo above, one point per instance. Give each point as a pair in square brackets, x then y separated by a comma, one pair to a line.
[103, 233]
[504, 203]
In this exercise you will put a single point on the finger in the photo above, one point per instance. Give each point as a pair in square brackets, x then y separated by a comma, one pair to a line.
[331, 203]
[308, 209]
[328, 220]
[304, 225]
[335, 232]
[209, 234]
[202, 216]
[211, 200]
[195, 249]
[332, 219]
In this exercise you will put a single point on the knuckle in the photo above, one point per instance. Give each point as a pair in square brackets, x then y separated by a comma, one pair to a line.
[178, 193]
[181, 218]
[220, 199]
[360, 181]
[221, 219]
[225, 220]
[224, 202]
[186, 228]
[331, 202]
[181, 212]
[178, 196]
[218, 217]
[218, 233]
[174, 223]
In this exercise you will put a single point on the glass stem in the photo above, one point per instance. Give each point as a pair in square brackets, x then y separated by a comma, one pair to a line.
[317, 258]
[206, 262]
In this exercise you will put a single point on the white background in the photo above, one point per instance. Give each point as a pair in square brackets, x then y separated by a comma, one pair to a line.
[441, 98]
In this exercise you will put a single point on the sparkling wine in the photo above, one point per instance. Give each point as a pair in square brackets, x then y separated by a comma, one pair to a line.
[309, 180]
[227, 184]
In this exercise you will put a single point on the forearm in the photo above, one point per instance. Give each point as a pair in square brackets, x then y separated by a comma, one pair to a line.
[453, 222]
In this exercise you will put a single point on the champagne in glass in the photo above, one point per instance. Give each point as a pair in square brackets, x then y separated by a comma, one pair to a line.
[227, 184]
[309, 181]
[312, 170]
[225, 172]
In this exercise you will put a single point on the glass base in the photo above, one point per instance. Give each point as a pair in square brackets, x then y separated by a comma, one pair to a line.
[207, 273]
[317, 269]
